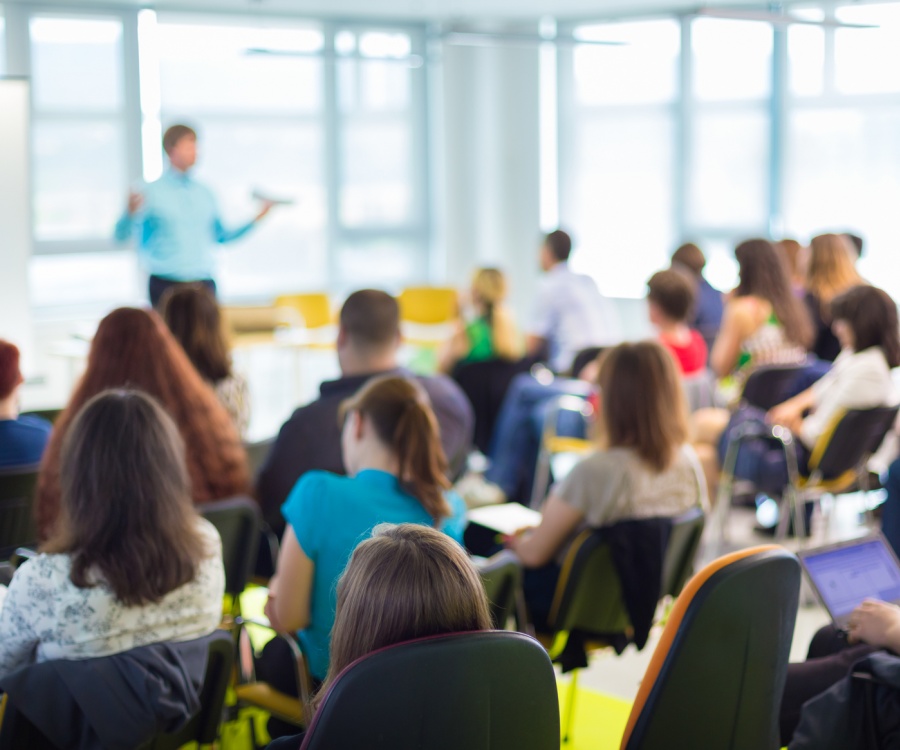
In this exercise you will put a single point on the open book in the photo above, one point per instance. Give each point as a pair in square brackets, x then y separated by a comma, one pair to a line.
[506, 518]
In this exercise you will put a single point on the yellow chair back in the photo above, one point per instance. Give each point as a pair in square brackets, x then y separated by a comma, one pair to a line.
[428, 305]
[314, 307]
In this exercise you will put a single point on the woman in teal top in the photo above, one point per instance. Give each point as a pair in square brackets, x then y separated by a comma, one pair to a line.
[395, 469]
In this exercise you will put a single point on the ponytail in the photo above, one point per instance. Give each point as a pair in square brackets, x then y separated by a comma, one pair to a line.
[422, 463]
[402, 417]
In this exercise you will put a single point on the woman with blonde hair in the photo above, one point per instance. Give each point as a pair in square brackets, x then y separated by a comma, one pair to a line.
[831, 271]
[387, 595]
[395, 474]
[643, 468]
[491, 333]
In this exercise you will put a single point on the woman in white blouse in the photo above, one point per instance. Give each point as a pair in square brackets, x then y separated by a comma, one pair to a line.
[131, 562]
[865, 324]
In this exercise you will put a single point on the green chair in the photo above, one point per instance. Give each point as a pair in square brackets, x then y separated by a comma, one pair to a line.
[501, 575]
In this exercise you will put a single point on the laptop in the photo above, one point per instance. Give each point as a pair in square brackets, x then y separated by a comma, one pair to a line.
[843, 575]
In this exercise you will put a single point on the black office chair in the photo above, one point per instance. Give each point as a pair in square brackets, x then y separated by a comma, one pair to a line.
[485, 690]
[238, 521]
[17, 528]
[257, 451]
[770, 385]
[485, 384]
[589, 609]
[716, 678]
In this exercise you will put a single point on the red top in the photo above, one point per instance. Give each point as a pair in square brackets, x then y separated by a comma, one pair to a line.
[691, 356]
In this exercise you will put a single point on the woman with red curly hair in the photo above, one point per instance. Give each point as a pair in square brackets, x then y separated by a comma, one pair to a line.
[133, 348]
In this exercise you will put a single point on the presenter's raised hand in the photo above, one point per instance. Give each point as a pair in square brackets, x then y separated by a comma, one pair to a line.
[135, 201]
[265, 207]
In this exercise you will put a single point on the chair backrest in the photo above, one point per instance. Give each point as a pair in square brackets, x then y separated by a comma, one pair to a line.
[589, 594]
[17, 527]
[493, 691]
[485, 385]
[238, 521]
[314, 308]
[257, 451]
[716, 678]
[684, 541]
[203, 727]
[585, 357]
[428, 305]
[852, 437]
[501, 575]
[771, 385]
[699, 390]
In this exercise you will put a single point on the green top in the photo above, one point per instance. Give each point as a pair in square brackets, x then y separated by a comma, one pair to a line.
[481, 341]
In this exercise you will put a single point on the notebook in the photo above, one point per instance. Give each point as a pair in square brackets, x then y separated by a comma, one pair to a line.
[846, 573]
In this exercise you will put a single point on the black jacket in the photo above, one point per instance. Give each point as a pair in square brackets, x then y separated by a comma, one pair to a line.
[311, 438]
[116, 702]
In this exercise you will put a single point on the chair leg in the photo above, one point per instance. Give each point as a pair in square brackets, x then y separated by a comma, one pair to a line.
[570, 707]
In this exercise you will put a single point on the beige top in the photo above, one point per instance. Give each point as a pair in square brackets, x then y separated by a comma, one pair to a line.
[616, 485]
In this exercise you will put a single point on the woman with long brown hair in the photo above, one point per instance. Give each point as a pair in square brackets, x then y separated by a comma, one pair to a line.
[831, 271]
[396, 474]
[644, 466]
[192, 315]
[129, 562]
[133, 348]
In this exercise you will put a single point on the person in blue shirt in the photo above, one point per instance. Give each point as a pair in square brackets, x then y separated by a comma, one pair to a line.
[22, 439]
[396, 474]
[177, 222]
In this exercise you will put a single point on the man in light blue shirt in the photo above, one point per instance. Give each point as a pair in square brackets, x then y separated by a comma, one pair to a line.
[177, 221]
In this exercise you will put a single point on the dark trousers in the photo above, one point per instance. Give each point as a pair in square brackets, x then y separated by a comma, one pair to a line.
[829, 660]
[159, 284]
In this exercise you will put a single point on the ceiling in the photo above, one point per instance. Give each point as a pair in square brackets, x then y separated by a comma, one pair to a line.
[442, 10]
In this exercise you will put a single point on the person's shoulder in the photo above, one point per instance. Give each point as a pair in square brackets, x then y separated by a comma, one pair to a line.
[36, 424]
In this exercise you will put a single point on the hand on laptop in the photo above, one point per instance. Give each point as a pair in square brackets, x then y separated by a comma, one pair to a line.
[876, 623]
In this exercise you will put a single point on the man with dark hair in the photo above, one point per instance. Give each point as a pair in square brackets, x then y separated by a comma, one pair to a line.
[177, 221]
[570, 314]
[708, 307]
[367, 344]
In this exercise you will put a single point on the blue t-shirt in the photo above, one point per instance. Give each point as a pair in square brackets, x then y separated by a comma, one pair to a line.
[22, 440]
[330, 515]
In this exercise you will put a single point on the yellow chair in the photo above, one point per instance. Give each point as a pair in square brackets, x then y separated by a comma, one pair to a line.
[314, 308]
[428, 305]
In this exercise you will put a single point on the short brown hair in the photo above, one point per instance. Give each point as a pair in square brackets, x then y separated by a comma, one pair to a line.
[672, 293]
[10, 374]
[174, 134]
[192, 315]
[560, 245]
[405, 582]
[371, 318]
[126, 502]
[401, 413]
[643, 402]
[872, 316]
[691, 257]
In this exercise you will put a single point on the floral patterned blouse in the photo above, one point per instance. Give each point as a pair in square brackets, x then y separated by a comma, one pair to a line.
[45, 616]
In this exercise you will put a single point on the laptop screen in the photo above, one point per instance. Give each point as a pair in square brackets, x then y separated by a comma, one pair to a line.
[846, 576]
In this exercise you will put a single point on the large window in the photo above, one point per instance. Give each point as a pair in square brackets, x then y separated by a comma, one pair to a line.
[617, 146]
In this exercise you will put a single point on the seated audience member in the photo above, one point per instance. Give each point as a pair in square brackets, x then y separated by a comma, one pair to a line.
[491, 333]
[707, 313]
[22, 439]
[192, 315]
[643, 468]
[796, 257]
[670, 299]
[831, 271]
[874, 626]
[569, 312]
[133, 348]
[763, 324]
[395, 468]
[367, 344]
[866, 323]
[386, 595]
[130, 562]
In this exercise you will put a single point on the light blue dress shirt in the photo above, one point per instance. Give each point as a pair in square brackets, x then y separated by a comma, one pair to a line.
[177, 227]
[330, 515]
